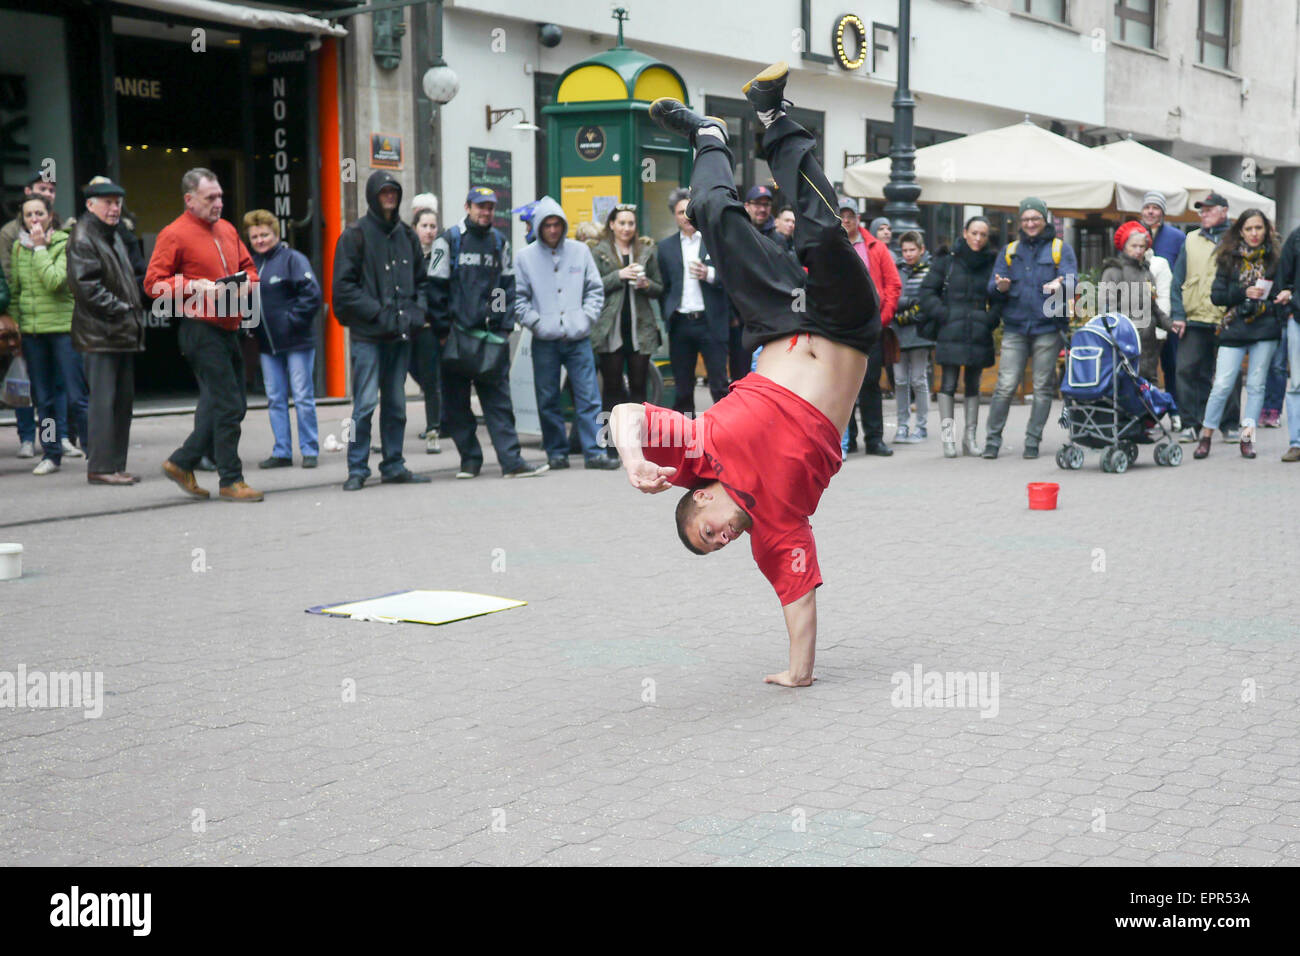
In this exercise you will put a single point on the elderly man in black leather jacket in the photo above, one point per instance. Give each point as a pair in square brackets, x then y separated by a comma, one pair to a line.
[107, 327]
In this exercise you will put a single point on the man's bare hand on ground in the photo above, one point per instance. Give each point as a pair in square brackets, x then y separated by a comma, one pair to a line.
[648, 477]
[785, 680]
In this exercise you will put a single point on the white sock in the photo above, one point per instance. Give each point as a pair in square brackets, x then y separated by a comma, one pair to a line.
[769, 117]
[711, 131]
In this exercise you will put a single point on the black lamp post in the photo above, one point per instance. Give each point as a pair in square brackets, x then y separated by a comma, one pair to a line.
[901, 191]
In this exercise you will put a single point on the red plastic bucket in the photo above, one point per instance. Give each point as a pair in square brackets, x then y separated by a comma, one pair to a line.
[1042, 495]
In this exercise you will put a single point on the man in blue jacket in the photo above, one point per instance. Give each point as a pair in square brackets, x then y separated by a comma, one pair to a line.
[472, 287]
[558, 297]
[694, 308]
[1166, 242]
[1032, 279]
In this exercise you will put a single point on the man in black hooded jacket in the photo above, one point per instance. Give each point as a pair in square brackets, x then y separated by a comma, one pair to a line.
[379, 295]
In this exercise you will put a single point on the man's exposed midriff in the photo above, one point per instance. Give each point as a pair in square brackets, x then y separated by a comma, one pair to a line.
[826, 374]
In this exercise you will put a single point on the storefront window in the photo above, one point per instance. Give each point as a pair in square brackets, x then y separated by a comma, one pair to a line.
[35, 122]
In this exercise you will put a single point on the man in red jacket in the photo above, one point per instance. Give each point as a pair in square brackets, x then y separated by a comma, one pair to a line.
[192, 275]
[880, 263]
[759, 459]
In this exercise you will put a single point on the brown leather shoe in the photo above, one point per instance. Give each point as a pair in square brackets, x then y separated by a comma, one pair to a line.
[1292, 454]
[1202, 448]
[1247, 448]
[110, 478]
[239, 491]
[185, 479]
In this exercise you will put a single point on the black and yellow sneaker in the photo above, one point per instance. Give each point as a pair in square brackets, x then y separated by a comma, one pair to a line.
[675, 117]
[767, 90]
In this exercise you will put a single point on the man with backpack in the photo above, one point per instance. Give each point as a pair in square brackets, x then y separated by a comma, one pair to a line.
[472, 309]
[379, 296]
[1031, 280]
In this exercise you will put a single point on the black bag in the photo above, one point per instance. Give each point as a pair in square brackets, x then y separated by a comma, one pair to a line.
[475, 354]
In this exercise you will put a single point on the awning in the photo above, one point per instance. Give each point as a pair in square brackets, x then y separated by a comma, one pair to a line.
[239, 15]
[1000, 167]
[1197, 182]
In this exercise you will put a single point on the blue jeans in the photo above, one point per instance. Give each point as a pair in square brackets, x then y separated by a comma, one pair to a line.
[58, 389]
[378, 378]
[25, 418]
[1017, 347]
[548, 357]
[1275, 387]
[282, 372]
[1226, 370]
[1293, 382]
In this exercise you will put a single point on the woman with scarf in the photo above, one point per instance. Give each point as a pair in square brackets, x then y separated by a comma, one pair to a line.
[1247, 263]
[42, 304]
[626, 334]
[1129, 285]
[955, 299]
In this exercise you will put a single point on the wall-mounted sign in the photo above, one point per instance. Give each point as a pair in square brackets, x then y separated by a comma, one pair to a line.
[492, 168]
[590, 142]
[850, 31]
[385, 151]
[138, 87]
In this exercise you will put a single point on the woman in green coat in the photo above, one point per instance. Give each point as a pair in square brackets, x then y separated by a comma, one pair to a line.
[41, 303]
[626, 334]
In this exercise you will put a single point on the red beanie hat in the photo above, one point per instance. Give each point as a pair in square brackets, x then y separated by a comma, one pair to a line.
[1123, 232]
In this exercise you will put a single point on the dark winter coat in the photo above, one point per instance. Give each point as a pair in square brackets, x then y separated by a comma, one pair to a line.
[477, 291]
[108, 309]
[955, 294]
[909, 314]
[1229, 291]
[1127, 286]
[290, 299]
[1288, 273]
[379, 277]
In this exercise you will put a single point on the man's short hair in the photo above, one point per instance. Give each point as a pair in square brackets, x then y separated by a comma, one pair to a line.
[913, 237]
[262, 217]
[190, 181]
[676, 196]
[684, 510]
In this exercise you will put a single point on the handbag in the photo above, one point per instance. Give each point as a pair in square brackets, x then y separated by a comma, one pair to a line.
[17, 385]
[475, 353]
[890, 352]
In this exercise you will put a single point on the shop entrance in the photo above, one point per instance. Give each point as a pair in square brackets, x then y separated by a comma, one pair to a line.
[177, 108]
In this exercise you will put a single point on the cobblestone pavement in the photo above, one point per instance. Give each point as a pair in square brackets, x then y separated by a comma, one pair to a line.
[1137, 649]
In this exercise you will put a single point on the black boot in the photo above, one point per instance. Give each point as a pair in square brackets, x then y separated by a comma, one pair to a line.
[675, 117]
[767, 90]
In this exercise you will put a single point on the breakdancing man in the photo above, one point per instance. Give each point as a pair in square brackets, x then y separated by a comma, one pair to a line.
[759, 460]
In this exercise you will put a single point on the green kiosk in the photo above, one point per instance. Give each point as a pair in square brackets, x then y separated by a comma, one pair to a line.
[604, 150]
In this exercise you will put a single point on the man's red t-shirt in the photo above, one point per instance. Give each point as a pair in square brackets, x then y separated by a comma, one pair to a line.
[774, 453]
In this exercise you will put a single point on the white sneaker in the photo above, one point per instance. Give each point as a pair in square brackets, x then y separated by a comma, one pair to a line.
[72, 451]
[26, 449]
[46, 467]
[431, 446]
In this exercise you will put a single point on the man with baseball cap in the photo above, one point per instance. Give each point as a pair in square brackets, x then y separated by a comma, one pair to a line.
[107, 327]
[472, 293]
[1196, 321]
[758, 461]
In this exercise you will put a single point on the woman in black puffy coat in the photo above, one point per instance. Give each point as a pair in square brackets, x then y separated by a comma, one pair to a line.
[961, 319]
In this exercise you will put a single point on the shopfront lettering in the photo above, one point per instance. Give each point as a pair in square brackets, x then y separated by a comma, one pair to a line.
[138, 87]
[280, 181]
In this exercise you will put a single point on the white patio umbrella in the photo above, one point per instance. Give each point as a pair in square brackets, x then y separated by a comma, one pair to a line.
[1000, 167]
[1196, 182]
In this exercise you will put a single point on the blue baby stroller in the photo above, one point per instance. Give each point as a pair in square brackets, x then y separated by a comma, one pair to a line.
[1107, 405]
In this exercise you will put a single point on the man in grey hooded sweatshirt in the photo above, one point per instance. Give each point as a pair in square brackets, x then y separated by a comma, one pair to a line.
[558, 297]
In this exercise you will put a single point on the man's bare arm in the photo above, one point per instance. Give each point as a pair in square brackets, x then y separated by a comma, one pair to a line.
[628, 430]
[801, 622]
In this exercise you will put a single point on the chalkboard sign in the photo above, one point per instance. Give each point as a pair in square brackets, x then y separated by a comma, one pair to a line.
[491, 168]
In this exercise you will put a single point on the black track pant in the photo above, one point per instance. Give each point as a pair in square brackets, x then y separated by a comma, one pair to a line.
[769, 287]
